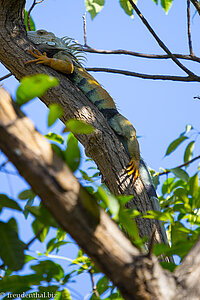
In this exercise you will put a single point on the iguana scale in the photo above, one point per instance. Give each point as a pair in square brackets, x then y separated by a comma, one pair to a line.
[62, 56]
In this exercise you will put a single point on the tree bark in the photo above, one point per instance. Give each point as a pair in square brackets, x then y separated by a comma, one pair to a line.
[102, 145]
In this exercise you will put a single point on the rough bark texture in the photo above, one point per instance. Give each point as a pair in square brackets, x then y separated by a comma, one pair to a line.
[103, 146]
[136, 275]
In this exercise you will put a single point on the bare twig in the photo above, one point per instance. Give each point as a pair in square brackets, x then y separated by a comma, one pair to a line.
[160, 43]
[189, 28]
[34, 238]
[6, 76]
[3, 164]
[147, 76]
[31, 8]
[142, 55]
[84, 31]
[94, 288]
[196, 5]
[180, 166]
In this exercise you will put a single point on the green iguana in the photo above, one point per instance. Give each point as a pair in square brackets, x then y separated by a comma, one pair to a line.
[63, 56]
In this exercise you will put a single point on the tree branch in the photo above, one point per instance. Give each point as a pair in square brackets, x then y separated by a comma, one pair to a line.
[160, 43]
[196, 5]
[142, 55]
[189, 28]
[146, 76]
[180, 166]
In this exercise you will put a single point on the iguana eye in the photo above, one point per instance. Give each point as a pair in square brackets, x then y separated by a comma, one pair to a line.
[41, 32]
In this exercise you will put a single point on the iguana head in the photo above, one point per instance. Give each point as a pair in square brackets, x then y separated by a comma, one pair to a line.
[48, 42]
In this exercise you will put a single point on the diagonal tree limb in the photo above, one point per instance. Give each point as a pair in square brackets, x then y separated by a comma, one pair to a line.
[160, 43]
[196, 5]
[142, 55]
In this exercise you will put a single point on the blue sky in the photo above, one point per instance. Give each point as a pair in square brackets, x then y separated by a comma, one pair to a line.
[159, 110]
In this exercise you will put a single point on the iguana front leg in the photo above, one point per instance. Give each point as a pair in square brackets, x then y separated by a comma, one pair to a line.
[64, 66]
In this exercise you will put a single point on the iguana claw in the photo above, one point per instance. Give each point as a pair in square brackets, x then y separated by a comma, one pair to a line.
[41, 58]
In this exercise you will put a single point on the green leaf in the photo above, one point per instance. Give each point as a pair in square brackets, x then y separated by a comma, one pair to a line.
[9, 203]
[127, 7]
[43, 215]
[166, 4]
[94, 7]
[102, 285]
[72, 153]
[111, 202]
[54, 137]
[181, 194]
[156, 1]
[37, 226]
[13, 223]
[175, 144]
[55, 112]
[19, 284]
[11, 248]
[166, 188]
[26, 194]
[194, 185]
[178, 172]
[168, 266]
[63, 295]
[31, 22]
[34, 86]
[189, 152]
[130, 226]
[49, 269]
[78, 127]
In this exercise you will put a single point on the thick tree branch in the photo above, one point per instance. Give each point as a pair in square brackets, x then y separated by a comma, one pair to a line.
[146, 76]
[103, 146]
[76, 211]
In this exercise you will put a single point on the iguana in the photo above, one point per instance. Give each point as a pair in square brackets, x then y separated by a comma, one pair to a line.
[63, 56]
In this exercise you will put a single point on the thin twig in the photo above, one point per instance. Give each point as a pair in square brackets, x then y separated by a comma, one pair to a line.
[29, 12]
[84, 30]
[196, 5]
[189, 28]
[142, 55]
[160, 43]
[3, 164]
[180, 166]
[147, 76]
[34, 238]
[6, 76]
[94, 288]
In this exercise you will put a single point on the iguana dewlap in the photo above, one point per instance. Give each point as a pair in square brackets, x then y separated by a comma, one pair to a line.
[60, 54]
